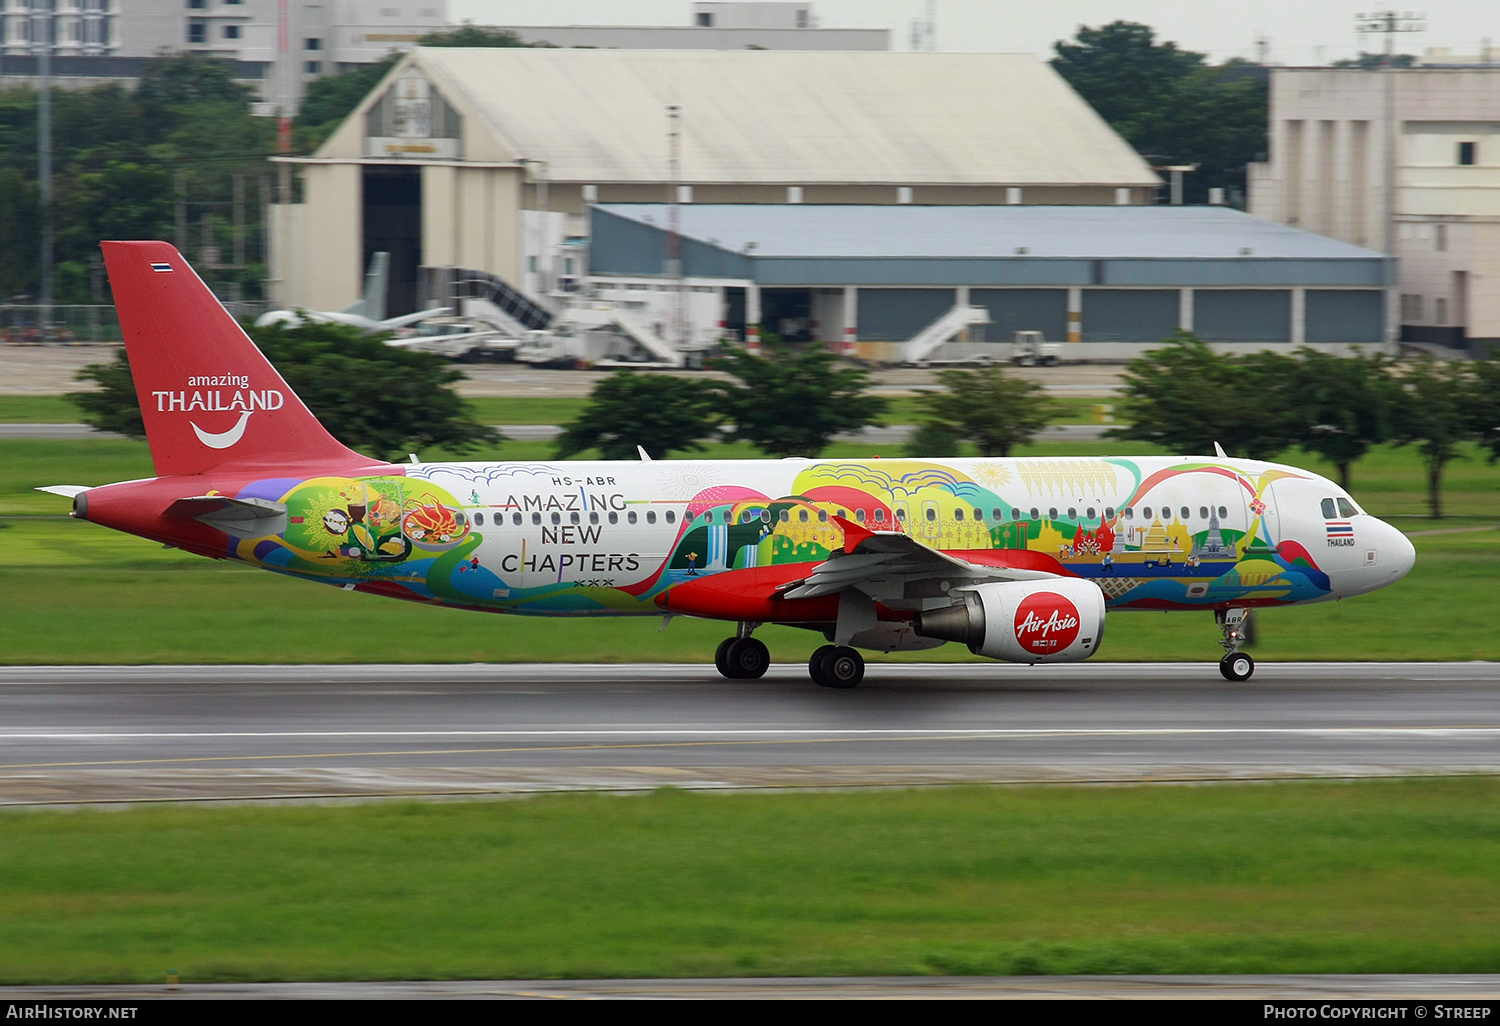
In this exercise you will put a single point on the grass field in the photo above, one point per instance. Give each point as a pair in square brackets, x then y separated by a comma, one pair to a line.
[1370, 877]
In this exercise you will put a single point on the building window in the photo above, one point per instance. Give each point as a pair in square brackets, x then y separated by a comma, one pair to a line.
[1440, 310]
[315, 44]
[705, 20]
[197, 33]
[314, 67]
[1466, 154]
[1440, 238]
[1411, 308]
[231, 32]
[197, 5]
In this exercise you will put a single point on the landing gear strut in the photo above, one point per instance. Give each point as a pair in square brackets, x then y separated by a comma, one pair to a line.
[742, 657]
[836, 666]
[1235, 665]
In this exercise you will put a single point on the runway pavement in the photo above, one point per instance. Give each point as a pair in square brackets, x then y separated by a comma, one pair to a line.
[132, 734]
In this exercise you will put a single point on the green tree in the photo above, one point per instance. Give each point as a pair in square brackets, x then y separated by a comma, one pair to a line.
[1169, 104]
[790, 402]
[403, 400]
[1184, 397]
[1346, 404]
[989, 407]
[661, 413]
[1432, 416]
[1482, 404]
[472, 36]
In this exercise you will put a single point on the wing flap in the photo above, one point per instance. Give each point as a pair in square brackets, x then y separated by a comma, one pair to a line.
[869, 556]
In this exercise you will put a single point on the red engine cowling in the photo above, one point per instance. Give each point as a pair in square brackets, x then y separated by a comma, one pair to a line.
[1054, 621]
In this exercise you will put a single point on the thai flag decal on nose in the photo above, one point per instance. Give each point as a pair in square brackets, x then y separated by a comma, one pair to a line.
[1340, 529]
[161, 267]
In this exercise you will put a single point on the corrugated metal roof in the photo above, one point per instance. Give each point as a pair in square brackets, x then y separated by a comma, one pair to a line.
[1069, 232]
[598, 116]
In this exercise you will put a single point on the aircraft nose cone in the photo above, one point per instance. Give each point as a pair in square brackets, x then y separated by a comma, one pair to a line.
[1403, 554]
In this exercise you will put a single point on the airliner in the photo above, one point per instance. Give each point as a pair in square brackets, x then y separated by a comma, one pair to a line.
[1018, 559]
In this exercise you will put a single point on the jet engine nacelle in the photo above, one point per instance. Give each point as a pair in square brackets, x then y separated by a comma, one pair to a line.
[1053, 621]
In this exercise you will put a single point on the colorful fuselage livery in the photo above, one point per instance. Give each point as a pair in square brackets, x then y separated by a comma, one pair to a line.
[1018, 558]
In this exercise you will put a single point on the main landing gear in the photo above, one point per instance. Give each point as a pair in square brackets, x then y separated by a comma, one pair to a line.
[744, 658]
[1235, 665]
[836, 666]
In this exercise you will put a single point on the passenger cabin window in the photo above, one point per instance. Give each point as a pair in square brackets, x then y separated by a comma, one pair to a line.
[1146, 512]
[1223, 512]
[1015, 514]
[958, 514]
[1090, 512]
[1109, 512]
[880, 516]
[556, 518]
[1072, 513]
[614, 518]
[931, 513]
[478, 519]
[786, 516]
[1129, 512]
[802, 516]
[1036, 514]
[630, 516]
[1347, 508]
[979, 514]
[1202, 512]
[1051, 512]
[671, 517]
[859, 515]
[515, 518]
[822, 516]
[997, 514]
[594, 517]
[573, 518]
[536, 518]
[1328, 511]
[650, 516]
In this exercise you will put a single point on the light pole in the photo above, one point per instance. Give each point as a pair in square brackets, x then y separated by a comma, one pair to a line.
[1388, 23]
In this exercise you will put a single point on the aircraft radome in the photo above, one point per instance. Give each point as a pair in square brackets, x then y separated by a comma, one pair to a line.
[1016, 558]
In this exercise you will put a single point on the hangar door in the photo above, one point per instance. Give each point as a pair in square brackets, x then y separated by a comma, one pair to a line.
[1242, 315]
[1013, 310]
[1339, 315]
[895, 315]
[392, 223]
[1129, 315]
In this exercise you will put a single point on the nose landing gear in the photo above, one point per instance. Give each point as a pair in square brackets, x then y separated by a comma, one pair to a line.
[1235, 665]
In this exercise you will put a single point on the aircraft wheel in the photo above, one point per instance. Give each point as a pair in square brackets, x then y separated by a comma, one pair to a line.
[1237, 666]
[721, 657]
[747, 658]
[816, 666]
[842, 668]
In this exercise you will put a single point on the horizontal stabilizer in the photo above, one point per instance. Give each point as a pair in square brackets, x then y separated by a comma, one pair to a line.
[67, 491]
[243, 518]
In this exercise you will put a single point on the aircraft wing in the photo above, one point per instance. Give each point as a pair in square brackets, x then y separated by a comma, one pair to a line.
[885, 556]
[392, 323]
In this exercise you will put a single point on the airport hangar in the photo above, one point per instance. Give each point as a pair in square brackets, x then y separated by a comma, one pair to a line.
[488, 159]
[1104, 278]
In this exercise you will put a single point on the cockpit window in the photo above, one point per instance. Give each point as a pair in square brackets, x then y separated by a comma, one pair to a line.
[1347, 508]
[1328, 513]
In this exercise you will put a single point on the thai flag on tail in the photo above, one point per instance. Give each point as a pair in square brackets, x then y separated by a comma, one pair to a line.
[161, 267]
[1340, 529]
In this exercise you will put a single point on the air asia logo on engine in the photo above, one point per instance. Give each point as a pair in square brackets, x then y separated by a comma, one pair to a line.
[226, 392]
[1046, 622]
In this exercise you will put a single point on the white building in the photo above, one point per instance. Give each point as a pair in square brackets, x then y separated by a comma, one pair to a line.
[1328, 174]
[109, 39]
[489, 159]
[717, 26]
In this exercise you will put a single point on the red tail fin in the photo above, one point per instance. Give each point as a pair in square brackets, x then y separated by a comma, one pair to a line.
[208, 395]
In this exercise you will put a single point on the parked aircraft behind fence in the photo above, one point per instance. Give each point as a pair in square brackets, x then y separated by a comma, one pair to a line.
[1018, 559]
[368, 315]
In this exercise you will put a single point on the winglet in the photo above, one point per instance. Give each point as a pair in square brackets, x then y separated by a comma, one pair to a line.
[645, 456]
[853, 533]
[1219, 451]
